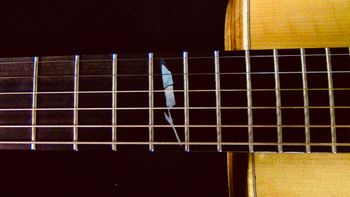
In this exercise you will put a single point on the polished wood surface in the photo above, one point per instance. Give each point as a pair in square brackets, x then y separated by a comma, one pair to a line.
[299, 174]
[290, 24]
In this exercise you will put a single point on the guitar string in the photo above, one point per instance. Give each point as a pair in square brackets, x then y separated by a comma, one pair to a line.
[168, 143]
[179, 91]
[164, 108]
[171, 126]
[177, 74]
[155, 58]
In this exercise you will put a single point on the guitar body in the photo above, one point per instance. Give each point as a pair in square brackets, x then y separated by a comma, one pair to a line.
[266, 117]
[270, 24]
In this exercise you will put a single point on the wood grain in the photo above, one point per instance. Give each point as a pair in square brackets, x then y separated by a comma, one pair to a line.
[234, 25]
[300, 174]
[290, 24]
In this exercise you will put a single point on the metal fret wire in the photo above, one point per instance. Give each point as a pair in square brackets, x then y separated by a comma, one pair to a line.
[34, 102]
[331, 100]
[306, 101]
[114, 101]
[150, 102]
[218, 100]
[186, 101]
[278, 101]
[76, 102]
[249, 101]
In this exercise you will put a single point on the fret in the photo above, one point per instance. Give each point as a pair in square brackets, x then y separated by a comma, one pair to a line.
[306, 101]
[34, 102]
[331, 100]
[249, 101]
[218, 100]
[114, 101]
[186, 101]
[150, 101]
[278, 101]
[76, 103]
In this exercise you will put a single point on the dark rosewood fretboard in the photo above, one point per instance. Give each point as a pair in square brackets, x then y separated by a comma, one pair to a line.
[273, 100]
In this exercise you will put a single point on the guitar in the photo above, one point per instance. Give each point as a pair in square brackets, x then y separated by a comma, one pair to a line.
[281, 100]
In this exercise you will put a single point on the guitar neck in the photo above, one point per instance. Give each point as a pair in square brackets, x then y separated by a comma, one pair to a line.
[272, 100]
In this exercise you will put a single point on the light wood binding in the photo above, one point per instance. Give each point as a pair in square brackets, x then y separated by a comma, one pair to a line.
[323, 174]
[289, 24]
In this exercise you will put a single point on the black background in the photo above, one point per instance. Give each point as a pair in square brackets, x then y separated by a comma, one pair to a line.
[29, 28]
[93, 27]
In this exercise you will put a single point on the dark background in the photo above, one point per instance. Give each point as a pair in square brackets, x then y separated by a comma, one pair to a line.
[93, 27]
[29, 28]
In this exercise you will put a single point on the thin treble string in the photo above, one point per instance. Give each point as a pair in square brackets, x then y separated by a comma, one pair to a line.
[169, 143]
[179, 91]
[170, 126]
[175, 108]
[178, 74]
[170, 58]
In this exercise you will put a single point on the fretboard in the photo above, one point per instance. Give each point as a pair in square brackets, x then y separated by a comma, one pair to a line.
[274, 100]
